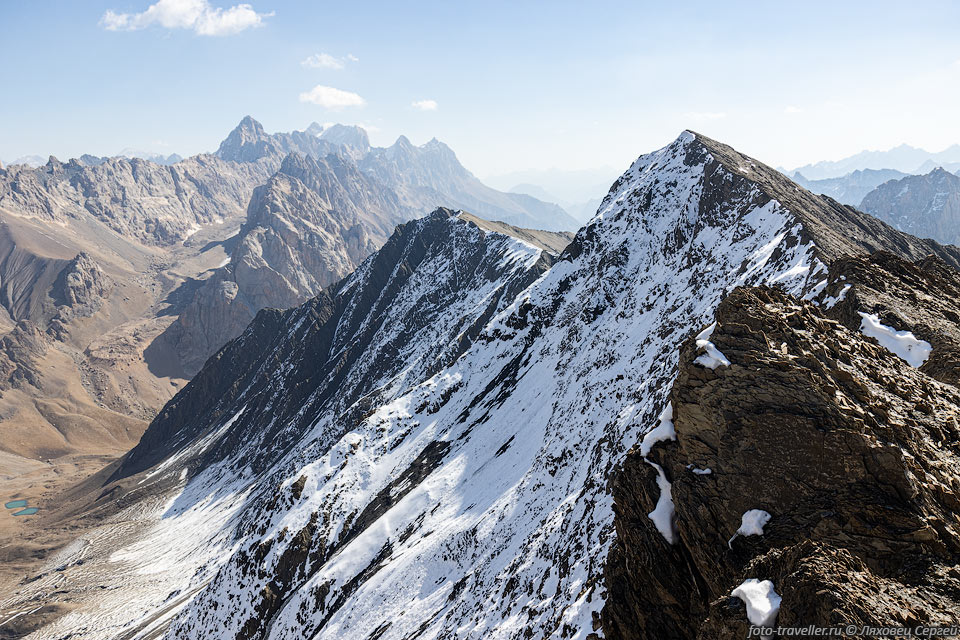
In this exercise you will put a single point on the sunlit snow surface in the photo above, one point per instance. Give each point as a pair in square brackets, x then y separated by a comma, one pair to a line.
[508, 532]
[902, 343]
[763, 603]
[711, 356]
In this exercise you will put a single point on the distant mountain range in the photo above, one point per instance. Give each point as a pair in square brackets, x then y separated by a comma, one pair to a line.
[577, 191]
[35, 161]
[851, 188]
[927, 206]
[903, 158]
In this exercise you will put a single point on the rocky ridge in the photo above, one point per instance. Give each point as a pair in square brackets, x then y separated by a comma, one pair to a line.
[138, 199]
[852, 452]
[388, 509]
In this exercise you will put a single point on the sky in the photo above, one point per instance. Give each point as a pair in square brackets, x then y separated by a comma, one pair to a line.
[508, 85]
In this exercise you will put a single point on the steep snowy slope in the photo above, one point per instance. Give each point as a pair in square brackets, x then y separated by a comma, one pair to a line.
[442, 469]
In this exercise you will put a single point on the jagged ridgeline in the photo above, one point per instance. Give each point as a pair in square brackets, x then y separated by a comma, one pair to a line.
[427, 448]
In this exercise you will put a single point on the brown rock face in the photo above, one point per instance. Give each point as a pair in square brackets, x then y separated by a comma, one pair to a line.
[919, 297]
[854, 453]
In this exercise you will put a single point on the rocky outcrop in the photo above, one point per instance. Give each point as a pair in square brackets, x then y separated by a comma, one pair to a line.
[78, 292]
[853, 452]
[81, 285]
[309, 226]
[919, 297]
[250, 143]
[20, 354]
[927, 206]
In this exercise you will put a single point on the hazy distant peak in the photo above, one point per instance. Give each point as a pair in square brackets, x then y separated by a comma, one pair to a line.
[347, 136]
[403, 142]
[904, 158]
[247, 142]
[249, 123]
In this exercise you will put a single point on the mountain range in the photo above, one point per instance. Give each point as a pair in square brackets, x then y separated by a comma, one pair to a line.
[723, 385]
[121, 276]
[904, 158]
[926, 205]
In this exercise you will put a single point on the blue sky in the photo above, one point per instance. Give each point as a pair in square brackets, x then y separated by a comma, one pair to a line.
[516, 85]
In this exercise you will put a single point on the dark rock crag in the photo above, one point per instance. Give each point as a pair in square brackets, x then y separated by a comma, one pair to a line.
[852, 451]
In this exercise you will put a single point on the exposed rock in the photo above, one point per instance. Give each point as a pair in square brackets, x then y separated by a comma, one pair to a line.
[309, 226]
[149, 202]
[853, 452]
[249, 143]
[20, 352]
[919, 297]
[926, 206]
[430, 175]
[81, 286]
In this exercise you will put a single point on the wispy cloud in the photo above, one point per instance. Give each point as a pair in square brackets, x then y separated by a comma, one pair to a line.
[327, 61]
[424, 105]
[704, 116]
[331, 98]
[792, 110]
[195, 15]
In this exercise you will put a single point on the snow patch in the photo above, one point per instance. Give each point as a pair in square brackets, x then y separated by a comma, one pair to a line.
[763, 603]
[901, 343]
[830, 302]
[712, 358]
[662, 514]
[663, 431]
[751, 524]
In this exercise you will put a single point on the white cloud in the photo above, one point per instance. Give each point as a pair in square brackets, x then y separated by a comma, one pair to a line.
[331, 98]
[703, 116]
[792, 109]
[352, 58]
[327, 61]
[424, 105]
[196, 15]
